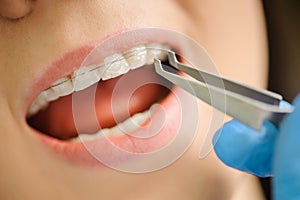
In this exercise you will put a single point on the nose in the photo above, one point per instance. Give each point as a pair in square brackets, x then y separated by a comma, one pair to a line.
[15, 9]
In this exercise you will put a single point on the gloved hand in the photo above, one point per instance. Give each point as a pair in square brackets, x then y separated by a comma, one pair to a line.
[270, 152]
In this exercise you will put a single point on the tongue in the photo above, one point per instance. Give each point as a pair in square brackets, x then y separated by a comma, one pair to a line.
[112, 104]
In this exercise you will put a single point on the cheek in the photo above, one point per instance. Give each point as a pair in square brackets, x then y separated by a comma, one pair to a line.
[235, 38]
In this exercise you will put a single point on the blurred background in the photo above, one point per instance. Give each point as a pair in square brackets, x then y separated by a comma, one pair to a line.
[283, 17]
[283, 24]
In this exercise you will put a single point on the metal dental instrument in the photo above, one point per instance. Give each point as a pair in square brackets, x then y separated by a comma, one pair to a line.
[247, 104]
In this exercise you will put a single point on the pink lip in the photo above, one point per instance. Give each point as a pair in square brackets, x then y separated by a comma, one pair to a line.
[77, 152]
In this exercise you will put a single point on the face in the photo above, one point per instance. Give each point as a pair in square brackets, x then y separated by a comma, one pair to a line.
[44, 41]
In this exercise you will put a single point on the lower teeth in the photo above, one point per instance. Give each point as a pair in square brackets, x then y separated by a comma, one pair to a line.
[126, 127]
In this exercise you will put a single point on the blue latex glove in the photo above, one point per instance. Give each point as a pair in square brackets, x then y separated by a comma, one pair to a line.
[270, 152]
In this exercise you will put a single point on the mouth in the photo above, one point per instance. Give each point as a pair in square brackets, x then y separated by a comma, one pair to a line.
[51, 112]
[135, 108]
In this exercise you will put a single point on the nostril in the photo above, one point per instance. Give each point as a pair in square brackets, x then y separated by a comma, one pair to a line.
[15, 9]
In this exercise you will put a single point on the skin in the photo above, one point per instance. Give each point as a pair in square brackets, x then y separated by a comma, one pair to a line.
[35, 33]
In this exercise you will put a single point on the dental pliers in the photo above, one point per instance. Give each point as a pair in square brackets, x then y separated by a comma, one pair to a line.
[249, 105]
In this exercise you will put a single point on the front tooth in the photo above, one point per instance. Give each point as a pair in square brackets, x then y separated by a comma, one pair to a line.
[115, 65]
[136, 57]
[158, 51]
[85, 77]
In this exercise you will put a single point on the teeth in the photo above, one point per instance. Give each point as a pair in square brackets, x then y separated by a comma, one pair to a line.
[134, 122]
[51, 94]
[156, 51]
[39, 103]
[64, 87]
[126, 127]
[112, 67]
[115, 66]
[136, 57]
[86, 76]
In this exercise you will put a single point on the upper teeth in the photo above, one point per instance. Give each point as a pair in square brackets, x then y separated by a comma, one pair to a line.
[113, 66]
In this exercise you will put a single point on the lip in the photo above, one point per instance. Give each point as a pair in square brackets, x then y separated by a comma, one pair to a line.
[77, 153]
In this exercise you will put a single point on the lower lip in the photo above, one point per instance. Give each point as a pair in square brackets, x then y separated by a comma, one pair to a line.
[93, 153]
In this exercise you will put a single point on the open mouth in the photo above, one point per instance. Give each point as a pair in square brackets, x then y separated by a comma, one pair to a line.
[123, 110]
[128, 89]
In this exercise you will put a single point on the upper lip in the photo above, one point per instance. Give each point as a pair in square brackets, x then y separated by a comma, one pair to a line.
[72, 60]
